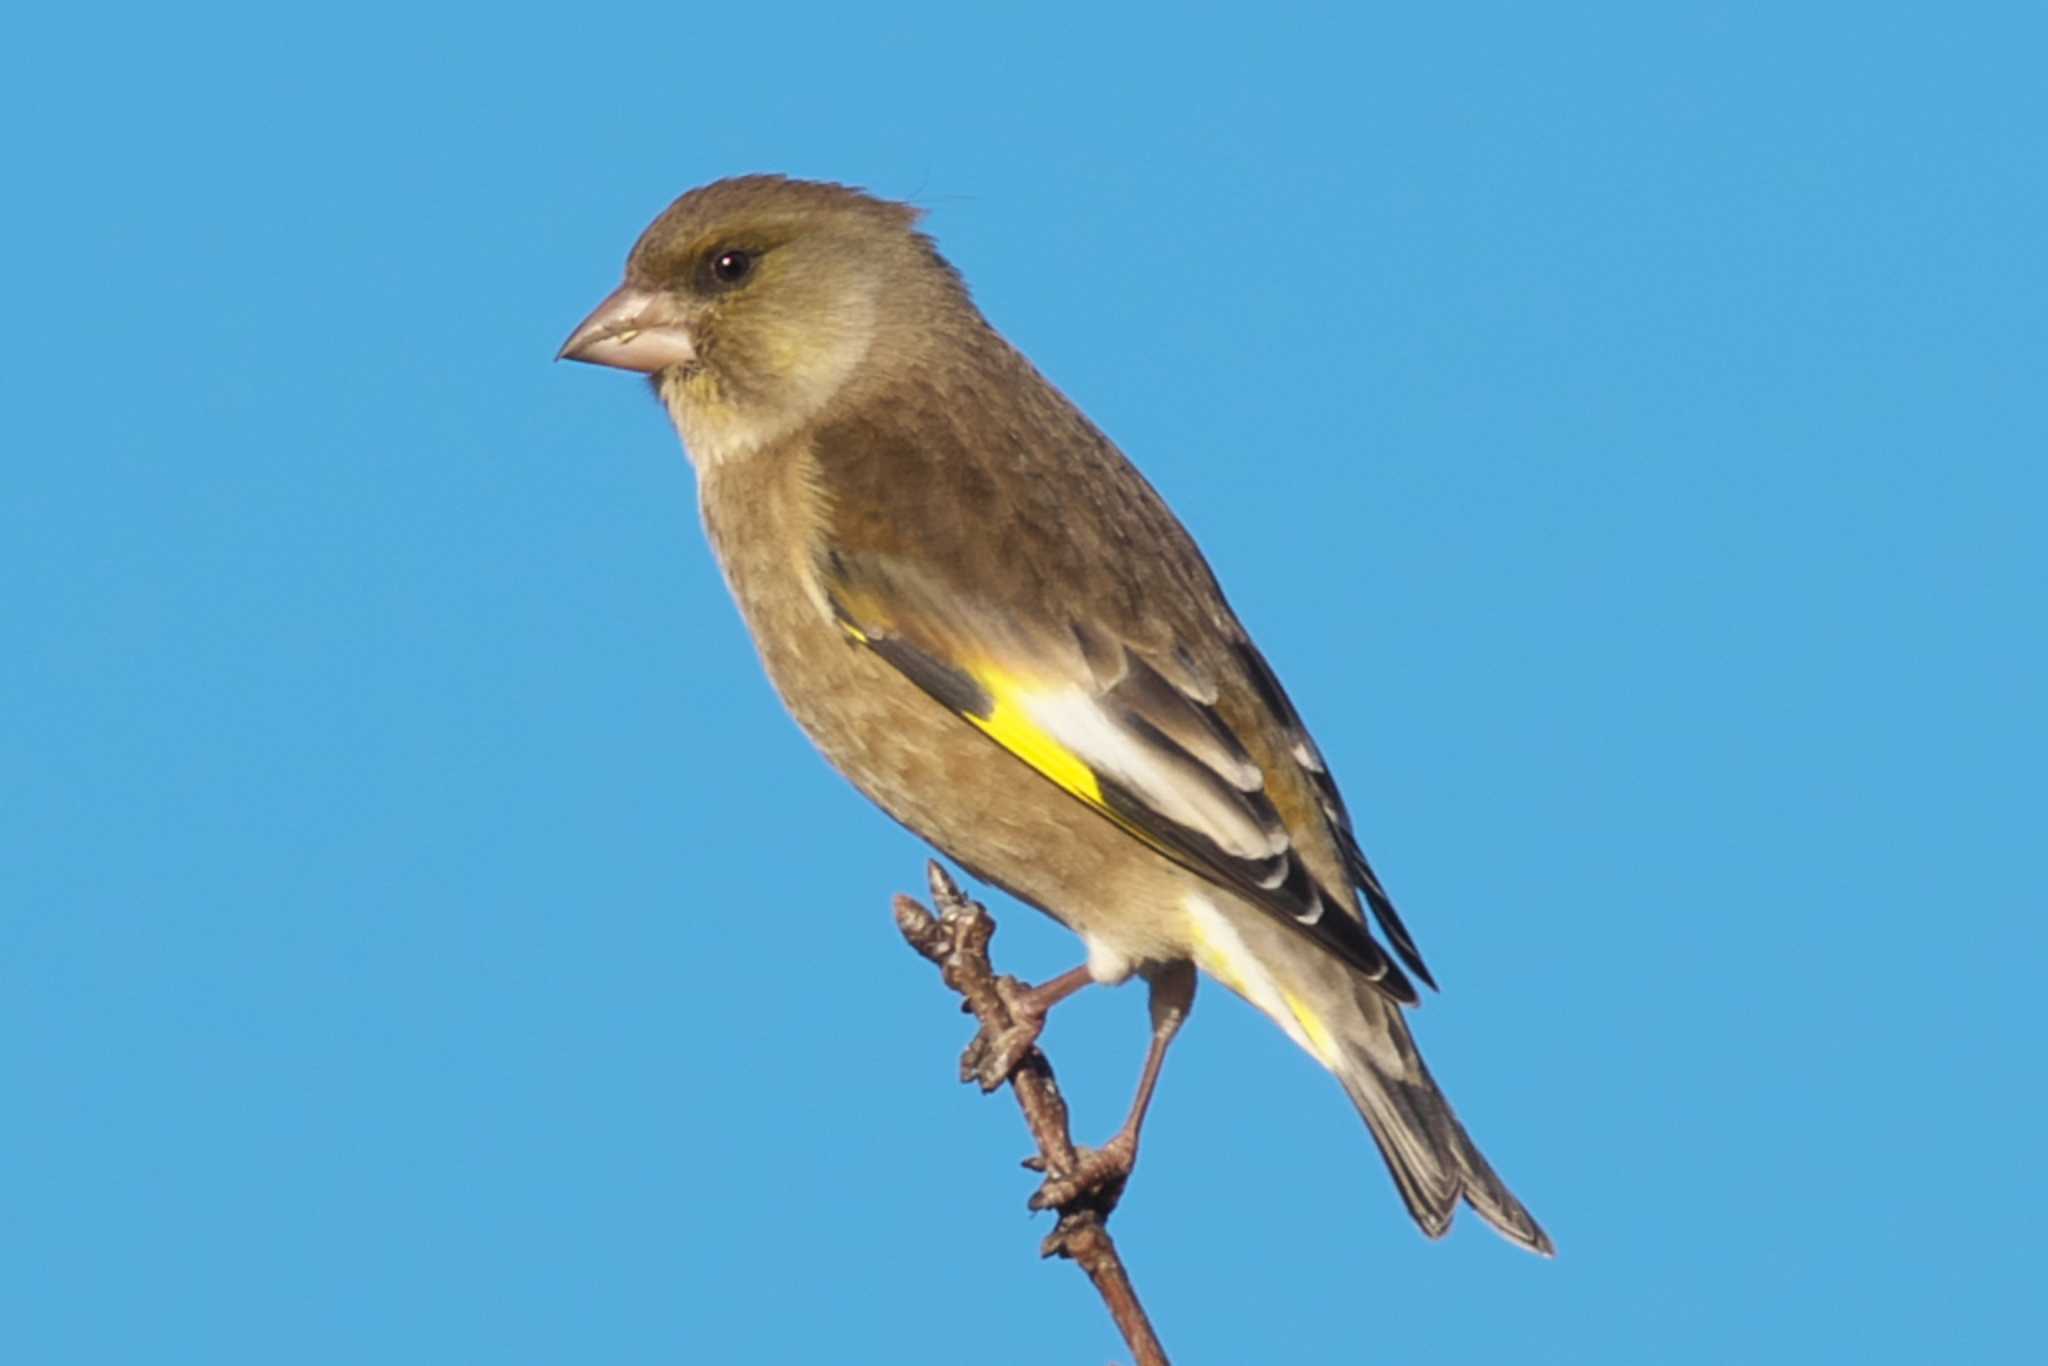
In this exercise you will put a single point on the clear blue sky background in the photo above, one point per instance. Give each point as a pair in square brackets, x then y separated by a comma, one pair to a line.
[423, 938]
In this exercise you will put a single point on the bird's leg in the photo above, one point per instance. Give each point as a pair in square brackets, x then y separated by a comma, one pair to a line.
[1104, 1170]
[991, 1058]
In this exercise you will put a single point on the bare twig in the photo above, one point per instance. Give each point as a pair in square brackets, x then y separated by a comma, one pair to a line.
[956, 940]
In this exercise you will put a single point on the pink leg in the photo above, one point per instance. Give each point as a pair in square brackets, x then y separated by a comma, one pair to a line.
[1103, 1171]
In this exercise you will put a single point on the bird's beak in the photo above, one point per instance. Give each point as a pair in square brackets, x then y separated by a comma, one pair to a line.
[634, 329]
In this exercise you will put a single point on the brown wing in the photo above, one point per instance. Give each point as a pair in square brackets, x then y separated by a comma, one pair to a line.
[986, 540]
[1112, 728]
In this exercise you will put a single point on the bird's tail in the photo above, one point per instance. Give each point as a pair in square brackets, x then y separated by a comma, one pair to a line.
[1433, 1160]
[1358, 1032]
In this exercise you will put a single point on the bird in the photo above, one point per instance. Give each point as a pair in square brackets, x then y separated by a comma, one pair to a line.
[988, 621]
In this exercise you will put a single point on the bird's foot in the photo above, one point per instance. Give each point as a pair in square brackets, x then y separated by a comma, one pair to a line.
[1097, 1177]
[994, 1055]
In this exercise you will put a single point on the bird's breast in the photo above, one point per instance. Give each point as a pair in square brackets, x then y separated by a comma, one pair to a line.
[765, 517]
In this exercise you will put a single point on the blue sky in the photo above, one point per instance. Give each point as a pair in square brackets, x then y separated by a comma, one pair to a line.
[422, 937]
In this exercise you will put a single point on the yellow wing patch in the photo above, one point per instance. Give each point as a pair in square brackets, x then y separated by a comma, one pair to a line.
[1008, 721]
[1009, 724]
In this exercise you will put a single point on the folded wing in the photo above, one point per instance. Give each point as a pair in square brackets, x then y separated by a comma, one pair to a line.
[1136, 735]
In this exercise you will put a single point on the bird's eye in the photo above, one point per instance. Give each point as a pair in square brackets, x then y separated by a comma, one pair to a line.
[731, 267]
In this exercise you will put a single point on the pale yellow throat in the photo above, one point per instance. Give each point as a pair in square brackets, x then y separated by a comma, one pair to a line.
[800, 373]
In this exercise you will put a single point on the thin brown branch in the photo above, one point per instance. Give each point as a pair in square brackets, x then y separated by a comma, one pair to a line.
[956, 940]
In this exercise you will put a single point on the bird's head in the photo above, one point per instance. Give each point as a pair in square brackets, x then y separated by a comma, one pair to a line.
[752, 303]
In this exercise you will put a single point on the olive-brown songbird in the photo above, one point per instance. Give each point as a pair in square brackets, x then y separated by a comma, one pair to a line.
[989, 622]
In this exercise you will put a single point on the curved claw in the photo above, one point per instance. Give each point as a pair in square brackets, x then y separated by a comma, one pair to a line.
[992, 1058]
[1098, 1177]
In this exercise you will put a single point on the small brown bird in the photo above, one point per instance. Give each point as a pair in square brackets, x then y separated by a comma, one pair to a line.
[989, 622]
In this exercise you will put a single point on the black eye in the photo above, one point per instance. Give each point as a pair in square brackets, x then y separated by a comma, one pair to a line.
[731, 267]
